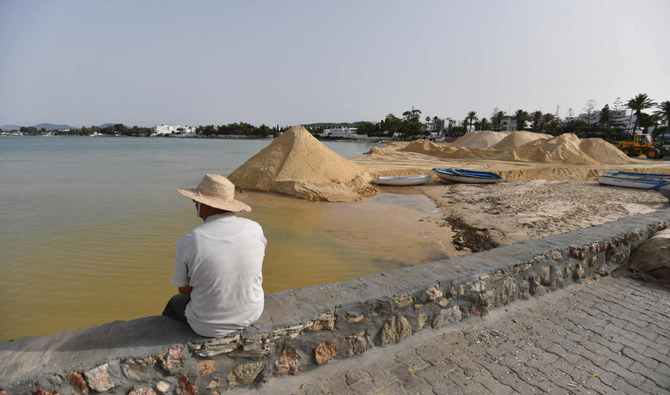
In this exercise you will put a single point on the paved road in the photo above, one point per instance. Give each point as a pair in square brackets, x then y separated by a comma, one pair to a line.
[608, 336]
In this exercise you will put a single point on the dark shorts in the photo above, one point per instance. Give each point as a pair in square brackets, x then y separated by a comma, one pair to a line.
[176, 307]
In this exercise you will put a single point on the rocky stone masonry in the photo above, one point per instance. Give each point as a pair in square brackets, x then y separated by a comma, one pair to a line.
[304, 328]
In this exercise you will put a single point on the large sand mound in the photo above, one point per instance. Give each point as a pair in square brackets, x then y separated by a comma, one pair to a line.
[479, 139]
[522, 146]
[446, 150]
[567, 148]
[516, 139]
[297, 164]
[603, 151]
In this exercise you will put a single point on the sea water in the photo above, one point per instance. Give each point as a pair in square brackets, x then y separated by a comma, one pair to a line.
[89, 227]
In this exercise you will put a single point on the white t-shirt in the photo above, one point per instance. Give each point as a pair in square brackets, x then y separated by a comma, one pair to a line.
[222, 260]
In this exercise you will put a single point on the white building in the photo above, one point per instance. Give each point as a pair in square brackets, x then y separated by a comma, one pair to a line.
[451, 123]
[341, 132]
[177, 131]
[626, 121]
[509, 124]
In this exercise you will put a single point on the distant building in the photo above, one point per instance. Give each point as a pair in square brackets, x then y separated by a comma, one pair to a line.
[618, 118]
[509, 124]
[342, 133]
[176, 131]
[435, 124]
[450, 123]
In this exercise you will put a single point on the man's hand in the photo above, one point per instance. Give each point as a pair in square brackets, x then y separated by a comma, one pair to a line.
[186, 290]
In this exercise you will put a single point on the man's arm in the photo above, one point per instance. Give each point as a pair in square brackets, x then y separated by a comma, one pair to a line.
[186, 290]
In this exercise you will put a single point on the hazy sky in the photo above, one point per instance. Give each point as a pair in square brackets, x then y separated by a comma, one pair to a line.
[291, 62]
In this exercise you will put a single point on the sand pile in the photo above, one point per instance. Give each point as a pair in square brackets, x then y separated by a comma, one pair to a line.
[564, 148]
[479, 139]
[567, 148]
[604, 152]
[448, 151]
[517, 139]
[297, 164]
[521, 146]
[423, 147]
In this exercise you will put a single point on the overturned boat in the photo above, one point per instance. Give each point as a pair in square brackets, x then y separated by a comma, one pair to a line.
[634, 180]
[468, 176]
[418, 179]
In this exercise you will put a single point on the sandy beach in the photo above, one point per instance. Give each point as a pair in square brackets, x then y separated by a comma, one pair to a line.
[549, 186]
[535, 200]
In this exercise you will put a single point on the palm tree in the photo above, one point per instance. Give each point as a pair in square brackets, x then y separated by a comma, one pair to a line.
[637, 104]
[485, 124]
[647, 121]
[664, 113]
[496, 120]
[546, 120]
[472, 116]
[520, 116]
[537, 120]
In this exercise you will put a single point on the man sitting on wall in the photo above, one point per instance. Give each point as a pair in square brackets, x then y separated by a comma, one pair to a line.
[218, 265]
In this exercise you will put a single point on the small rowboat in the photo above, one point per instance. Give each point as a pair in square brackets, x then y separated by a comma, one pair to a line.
[404, 180]
[665, 191]
[634, 180]
[468, 176]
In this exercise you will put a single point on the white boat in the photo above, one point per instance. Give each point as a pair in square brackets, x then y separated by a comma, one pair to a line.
[468, 176]
[634, 180]
[404, 180]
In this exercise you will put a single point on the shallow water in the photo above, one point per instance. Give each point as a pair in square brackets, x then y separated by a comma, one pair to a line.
[89, 227]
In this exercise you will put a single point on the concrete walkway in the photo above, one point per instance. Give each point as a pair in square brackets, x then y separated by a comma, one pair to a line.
[609, 336]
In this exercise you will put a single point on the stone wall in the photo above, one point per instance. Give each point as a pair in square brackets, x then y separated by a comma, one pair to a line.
[304, 328]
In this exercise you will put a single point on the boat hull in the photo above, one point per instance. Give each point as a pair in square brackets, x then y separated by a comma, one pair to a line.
[634, 180]
[467, 176]
[403, 180]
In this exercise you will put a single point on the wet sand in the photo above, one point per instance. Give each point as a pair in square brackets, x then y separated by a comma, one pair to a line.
[534, 200]
[398, 225]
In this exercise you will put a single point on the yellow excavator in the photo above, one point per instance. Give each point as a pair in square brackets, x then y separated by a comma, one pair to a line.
[641, 145]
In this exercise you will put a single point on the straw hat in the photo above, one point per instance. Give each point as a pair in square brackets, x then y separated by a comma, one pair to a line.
[215, 191]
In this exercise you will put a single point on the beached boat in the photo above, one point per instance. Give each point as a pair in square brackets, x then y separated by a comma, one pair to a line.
[404, 180]
[665, 191]
[634, 180]
[468, 176]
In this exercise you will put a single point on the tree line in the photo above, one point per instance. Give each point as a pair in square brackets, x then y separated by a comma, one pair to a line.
[610, 123]
[233, 129]
[110, 130]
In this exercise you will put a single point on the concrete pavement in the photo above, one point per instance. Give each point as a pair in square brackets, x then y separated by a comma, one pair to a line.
[605, 337]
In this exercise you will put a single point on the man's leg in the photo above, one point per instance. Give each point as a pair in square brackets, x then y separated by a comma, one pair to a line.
[176, 307]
